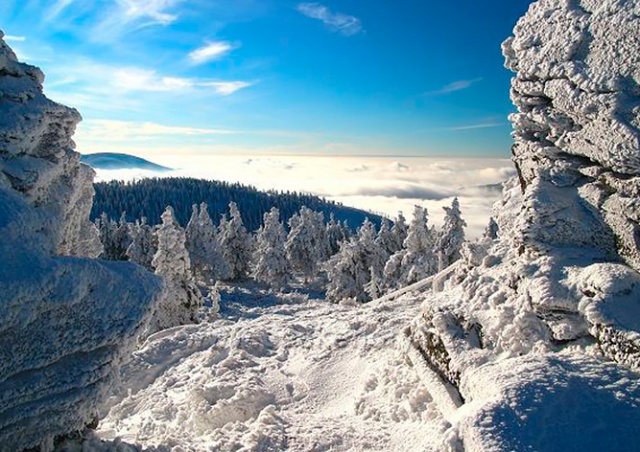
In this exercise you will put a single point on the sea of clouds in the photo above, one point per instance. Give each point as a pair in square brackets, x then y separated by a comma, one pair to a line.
[383, 185]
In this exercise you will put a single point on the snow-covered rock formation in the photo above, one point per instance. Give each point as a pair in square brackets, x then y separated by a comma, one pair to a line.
[559, 288]
[65, 320]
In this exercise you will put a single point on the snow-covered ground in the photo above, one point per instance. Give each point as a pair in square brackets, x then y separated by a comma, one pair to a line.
[294, 372]
[277, 372]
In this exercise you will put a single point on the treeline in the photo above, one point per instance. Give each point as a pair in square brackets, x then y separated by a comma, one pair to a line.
[149, 197]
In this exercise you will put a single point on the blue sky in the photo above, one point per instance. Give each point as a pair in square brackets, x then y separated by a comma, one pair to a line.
[369, 77]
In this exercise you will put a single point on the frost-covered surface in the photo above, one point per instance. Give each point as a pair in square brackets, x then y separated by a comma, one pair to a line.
[540, 330]
[278, 372]
[37, 157]
[65, 322]
[181, 298]
[577, 130]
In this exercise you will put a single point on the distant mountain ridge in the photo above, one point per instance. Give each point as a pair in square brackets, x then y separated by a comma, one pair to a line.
[118, 161]
[149, 197]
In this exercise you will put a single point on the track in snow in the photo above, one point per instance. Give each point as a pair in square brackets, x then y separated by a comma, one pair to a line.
[278, 372]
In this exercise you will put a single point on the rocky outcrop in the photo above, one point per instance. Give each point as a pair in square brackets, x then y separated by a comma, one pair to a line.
[561, 282]
[577, 130]
[66, 321]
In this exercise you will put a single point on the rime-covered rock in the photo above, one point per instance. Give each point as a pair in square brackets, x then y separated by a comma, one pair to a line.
[560, 281]
[66, 320]
[38, 158]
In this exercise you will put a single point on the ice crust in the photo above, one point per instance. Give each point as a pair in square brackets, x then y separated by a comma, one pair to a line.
[553, 305]
[66, 320]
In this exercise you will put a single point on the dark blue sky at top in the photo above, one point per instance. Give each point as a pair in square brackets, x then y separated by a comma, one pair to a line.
[338, 77]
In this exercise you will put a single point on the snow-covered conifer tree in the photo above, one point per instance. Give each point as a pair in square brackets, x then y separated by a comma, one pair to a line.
[217, 265]
[373, 255]
[346, 273]
[419, 260]
[336, 233]
[236, 244]
[122, 238]
[491, 231]
[359, 262]
[143, 245]
[193, 242]
[452, 237]
[270, 258]
[106, 229]
[182, 298]
[207, 261]
[386, 240]
[399, 231]
[114, 236]
[307, 245]
[416, 260]
[392, 274]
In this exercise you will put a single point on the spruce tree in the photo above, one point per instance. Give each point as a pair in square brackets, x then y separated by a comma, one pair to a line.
[419, 260]
[182, 298]
[236, 244]
[143, 244]
[355, 272]
[491, 231]
[452, 237]
[307, 245]
[270, 259]
[399, 232]
[207, 262]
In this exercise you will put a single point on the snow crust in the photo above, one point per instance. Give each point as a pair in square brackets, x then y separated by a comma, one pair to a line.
[66, 321]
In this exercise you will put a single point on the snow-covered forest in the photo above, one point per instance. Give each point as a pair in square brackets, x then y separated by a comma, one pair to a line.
[347, 265]
[199, 331]
[149, 197]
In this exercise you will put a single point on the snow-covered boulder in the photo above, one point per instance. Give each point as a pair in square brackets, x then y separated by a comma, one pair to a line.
[66, 320]
[562, 275]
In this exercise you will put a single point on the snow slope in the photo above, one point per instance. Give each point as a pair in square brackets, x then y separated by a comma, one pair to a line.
[286, 372]
[278, 372]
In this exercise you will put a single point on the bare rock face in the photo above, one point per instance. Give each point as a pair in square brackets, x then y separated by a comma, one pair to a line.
[66, 321]
[561, 282]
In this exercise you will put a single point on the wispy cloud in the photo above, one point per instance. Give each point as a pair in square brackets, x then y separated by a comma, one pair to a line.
[481, 125]
[10, 38]
[57, 8]
[108, 130]
[338, 22]
[151, 11]
[227, 88]
[210, 52]
[452, 87]
[135, 79]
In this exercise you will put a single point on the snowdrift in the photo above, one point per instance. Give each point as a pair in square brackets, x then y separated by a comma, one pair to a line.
[544, 325]
[66, 320]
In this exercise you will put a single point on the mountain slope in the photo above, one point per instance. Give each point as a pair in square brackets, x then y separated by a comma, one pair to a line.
[149, 197]
[116, 161]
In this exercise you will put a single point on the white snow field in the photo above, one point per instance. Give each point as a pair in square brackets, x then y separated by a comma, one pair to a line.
[278, 372]
[291, 372]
